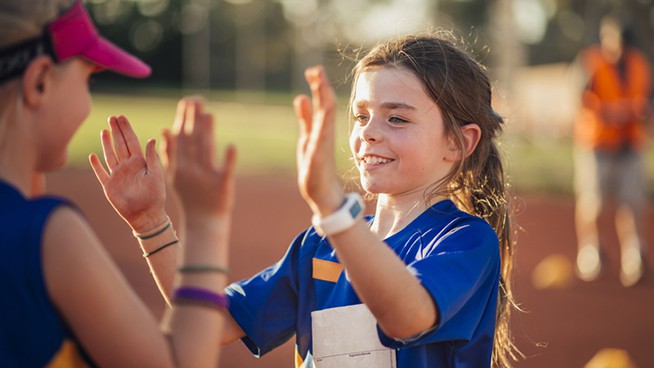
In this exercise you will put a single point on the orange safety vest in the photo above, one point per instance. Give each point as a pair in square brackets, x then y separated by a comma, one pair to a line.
[606, 86]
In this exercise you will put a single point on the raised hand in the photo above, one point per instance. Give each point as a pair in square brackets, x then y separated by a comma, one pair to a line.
[134, 183]
[319, 185]
[205, 189]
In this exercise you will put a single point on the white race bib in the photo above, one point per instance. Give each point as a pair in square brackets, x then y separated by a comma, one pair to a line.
[346, 337]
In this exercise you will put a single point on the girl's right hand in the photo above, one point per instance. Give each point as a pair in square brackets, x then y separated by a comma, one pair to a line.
[205, 189]
[134, 183]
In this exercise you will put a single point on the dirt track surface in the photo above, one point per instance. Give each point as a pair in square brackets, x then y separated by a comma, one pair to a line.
[561, 327]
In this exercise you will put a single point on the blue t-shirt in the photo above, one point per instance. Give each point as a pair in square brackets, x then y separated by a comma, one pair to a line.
[455, 256]
[32, 334]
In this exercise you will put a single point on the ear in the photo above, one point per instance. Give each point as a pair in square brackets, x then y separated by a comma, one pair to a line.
[471, 134]
[36, 80]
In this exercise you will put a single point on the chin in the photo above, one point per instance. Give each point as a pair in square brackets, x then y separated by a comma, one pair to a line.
[370, 187]
[52, 165]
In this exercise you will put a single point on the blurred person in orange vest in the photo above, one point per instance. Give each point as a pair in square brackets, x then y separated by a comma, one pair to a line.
[609, 136]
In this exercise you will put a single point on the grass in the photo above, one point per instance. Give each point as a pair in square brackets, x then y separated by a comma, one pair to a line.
[264, 133]
[264, 129]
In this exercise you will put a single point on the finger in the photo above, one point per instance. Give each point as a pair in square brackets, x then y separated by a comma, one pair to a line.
[193, 112]
[324, 105]
[228, 179]
[190, 138]
[204, 134]
[168, 150]
[98, 169]
[131, 139]
[230, 161]
[179, 116]
[108, 150]
[151, 158]
[313, 78]
[322, 94]
[120, 147]
[303, 112]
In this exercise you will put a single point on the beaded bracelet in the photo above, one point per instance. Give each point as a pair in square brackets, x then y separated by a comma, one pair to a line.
[188, 295]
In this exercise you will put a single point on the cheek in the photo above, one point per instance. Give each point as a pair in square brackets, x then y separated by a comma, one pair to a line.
[355, 142]
[79, 112]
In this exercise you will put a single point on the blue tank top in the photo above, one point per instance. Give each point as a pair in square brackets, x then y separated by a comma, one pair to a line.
[32, 333]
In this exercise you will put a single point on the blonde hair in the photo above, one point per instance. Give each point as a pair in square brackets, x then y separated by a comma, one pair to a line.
[20, 21]
[24, 19]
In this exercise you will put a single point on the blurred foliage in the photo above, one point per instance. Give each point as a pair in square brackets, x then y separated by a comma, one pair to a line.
[249, 54]
[271, 38]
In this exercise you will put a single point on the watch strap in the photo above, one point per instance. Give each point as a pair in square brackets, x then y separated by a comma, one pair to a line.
[350, 211]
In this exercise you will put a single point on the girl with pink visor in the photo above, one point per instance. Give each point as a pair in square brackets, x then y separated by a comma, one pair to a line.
[63, 301]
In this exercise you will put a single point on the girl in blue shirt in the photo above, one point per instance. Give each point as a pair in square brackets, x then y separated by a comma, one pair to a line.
[425, 281]
[64, 302]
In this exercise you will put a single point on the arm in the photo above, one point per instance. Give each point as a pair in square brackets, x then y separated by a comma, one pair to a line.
[384, 284]
[112, 323]
[135, 186]
[189, 159]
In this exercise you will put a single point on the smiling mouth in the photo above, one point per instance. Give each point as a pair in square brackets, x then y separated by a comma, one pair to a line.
[374, 160]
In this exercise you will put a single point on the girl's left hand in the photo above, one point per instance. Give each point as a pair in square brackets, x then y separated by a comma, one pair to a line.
[206, 189]
[319, 185]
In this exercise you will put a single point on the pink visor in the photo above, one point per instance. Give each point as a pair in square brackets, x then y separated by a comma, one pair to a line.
[71, 34]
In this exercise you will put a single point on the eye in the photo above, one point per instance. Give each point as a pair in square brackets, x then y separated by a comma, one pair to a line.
[397, 120]
[360, 118]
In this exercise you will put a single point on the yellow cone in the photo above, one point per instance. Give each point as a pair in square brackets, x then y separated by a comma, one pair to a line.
[611, 358]
[554, 271]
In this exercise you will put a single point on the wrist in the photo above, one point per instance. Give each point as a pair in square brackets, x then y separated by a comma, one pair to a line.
[149, 223]
[329, 205]
[342, 219]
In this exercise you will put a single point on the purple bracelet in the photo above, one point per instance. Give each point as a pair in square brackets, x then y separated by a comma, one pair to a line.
[198, 296]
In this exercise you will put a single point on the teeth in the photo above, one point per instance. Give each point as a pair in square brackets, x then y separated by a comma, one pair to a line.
[375, 160]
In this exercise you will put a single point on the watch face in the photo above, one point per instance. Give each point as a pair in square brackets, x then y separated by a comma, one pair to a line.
[355, 210]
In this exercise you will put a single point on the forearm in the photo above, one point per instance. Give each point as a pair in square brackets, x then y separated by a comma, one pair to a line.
[164, 268]
[161, 249]
[203, 266]
[401, 305]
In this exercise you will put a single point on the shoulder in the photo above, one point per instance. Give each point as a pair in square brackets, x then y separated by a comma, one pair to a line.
[460, 231]
[590, 57]
[638, 56]
[66, 228]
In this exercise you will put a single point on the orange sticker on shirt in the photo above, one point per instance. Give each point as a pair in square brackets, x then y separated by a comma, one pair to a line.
[326, 270]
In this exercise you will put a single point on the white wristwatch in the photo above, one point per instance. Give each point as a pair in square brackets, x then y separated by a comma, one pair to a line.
[350, 211]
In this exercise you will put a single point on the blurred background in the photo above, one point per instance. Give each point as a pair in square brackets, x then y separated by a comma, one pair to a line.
[247, 58]
[255, 51]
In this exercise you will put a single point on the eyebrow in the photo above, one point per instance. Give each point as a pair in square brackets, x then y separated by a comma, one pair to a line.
[389, 105]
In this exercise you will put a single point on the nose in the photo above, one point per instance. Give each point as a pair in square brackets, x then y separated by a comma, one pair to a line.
[372, 131]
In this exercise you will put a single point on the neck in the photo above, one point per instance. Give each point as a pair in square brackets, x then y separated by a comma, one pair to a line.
[16, 176]
[17, 165]
[394, 213]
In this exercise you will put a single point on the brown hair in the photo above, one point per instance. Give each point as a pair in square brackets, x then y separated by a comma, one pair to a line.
[460, 87]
